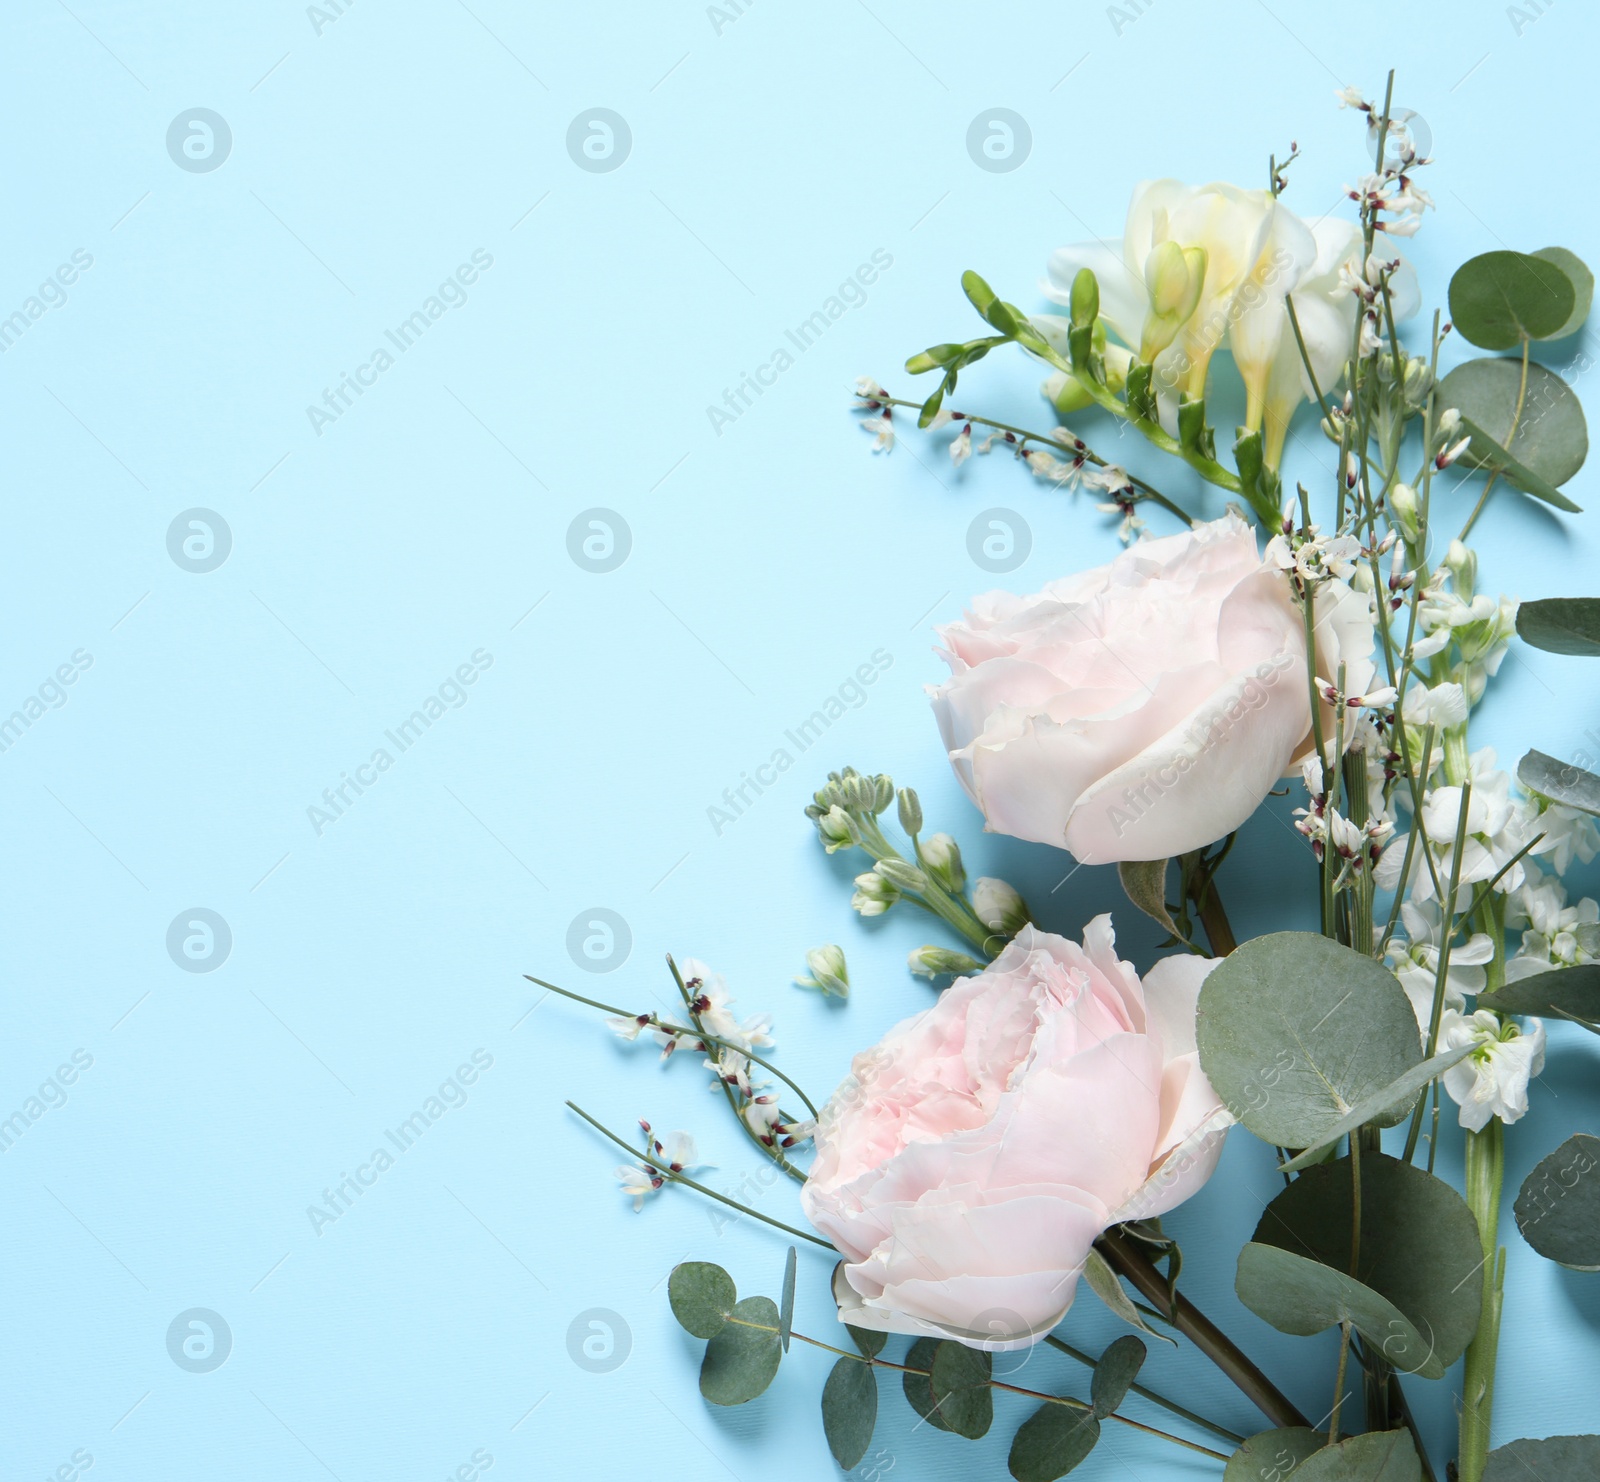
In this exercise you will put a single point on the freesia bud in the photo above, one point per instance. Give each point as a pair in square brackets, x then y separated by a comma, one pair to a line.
[998, 906]
[933, 962]
[1085, 303]
[828, 972]
[941, 855]
[1173, 277]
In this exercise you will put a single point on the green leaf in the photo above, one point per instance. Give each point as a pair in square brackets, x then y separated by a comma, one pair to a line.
[1498, 298]
[1560, 781]
[741, 1361]
[917, 1381]
[1551, 439]
[1582, 281]
[1558, 1209]
[1114, 1375]
[960, 1381]
[1142, 405]
[931, 406]
[1296, 1031]
[1396, 1093]
[1051, 1442]
[849, 1410]
[1193, 433]
[702, 1296]
[1272, 1456]
[869, 1342]
[1562, 625]
[1304, 1297]
[1378, 1456]
[1413, 1295]
[1551, 995]
[1104, 1284]
[1145, 884]
[1555, 1459]
[786, 1309]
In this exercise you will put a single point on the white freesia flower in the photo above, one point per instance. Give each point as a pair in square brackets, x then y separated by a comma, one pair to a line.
[1493, 1080]
[1254, 251]
[1325, 304]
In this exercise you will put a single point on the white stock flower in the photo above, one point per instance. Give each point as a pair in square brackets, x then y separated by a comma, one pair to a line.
[1559, 935]
[1416, 963]
[1493, 1080]
[1495, 830]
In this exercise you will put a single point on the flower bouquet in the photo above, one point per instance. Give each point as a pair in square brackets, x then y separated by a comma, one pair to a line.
[1023, 1136]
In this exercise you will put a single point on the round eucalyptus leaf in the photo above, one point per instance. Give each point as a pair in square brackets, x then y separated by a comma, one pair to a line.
[1499, 297]
[1558, 1209]
[1272, 1455]
[1562, 625]
[960, 1385]
[1051, 1442]
[917, 1381]
[742, 1360]
[1295, 1030]
[1552, 435]
[1554, 1459]
[1113, 1376]
[1304, 1297]
[849, 1410]
[1560, 781]
[1378, 1456]
[702, 1296]
[1582, 281]
[1419, 1245]
[869, 1342]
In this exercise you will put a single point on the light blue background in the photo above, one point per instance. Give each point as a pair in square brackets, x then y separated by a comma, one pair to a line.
[771, 154]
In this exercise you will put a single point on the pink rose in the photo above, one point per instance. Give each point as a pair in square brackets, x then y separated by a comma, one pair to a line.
[1144, 708]
[968, 1163]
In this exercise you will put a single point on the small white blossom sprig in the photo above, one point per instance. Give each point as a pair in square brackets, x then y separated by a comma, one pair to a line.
[730, 1047]
[1059, 457]
[640, 1180]
[1389, 195]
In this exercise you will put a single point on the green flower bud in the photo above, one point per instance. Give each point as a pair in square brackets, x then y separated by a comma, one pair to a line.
[884, 792]
[828, 972]
[999, 907]
[910, 811]
[874, 894]
[838, 830]
[941, 856]
[1085, 299]
[1463, 564]
[898, 872]
[933, 962]
[1403, 502]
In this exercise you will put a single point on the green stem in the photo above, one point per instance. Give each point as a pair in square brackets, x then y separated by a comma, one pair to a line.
[699, 1188]
[1338, 1383]
[1220, 1431]
[1024, 436]
[655, 1023]
[1516, 417]
[1486, 1160]
[1199, 1329]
